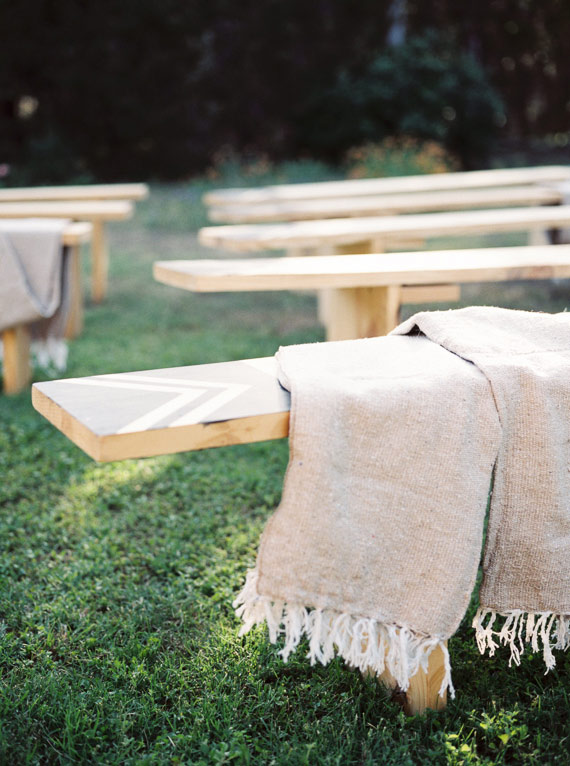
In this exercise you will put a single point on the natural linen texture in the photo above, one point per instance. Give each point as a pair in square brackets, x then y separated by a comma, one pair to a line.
[374, 549]
[526, 358]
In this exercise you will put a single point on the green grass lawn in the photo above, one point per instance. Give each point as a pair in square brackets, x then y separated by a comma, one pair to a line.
[118, 641]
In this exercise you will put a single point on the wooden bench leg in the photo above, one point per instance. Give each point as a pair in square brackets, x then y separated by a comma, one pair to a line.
[538, 237]
[430, 293]
[100, 262]
[16, 359]
[362, 312]
[326, 306]
[74, 324]
[423, 691]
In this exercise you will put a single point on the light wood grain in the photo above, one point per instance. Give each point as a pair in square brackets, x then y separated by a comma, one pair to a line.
[386, 204]
[362, 294]
[436, 293]
[167, 441]
[77, 233]
[115, 210]
[74, 324]
[130, 191]
[345, 231]
[437, 181]
[367, 270]
[361, 312]
[16, 359]
[100, 263]
[74, 235]
[113, 417]
[423, 691]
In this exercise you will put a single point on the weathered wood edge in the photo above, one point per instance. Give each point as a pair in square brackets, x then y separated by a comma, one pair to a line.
[366, 270]
[451, 180]
[160, 441]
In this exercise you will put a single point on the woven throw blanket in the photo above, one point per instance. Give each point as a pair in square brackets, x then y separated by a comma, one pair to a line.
[374, 549]
[34, 283]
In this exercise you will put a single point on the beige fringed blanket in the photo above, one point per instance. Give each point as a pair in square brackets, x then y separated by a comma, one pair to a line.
[374, 549]
[34, 284]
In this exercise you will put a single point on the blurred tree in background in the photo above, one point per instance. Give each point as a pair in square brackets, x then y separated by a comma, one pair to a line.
[425, 87]
[522, 44]
[143, 89]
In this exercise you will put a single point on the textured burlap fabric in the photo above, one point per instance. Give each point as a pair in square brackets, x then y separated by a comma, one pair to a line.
[34, 285]
[526, 358]
[374, 549]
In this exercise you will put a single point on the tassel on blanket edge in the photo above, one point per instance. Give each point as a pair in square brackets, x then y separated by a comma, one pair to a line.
[362, 642]
[520, 628]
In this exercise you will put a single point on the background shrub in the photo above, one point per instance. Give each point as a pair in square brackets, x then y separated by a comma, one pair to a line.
[398, 157]
[151, 89]
[424, 88]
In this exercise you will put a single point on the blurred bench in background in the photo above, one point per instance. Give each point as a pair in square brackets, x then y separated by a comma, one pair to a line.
[474, 179]
[134, 192]
[365, 292]
[386, 204]
[16, 340]
[96, 212]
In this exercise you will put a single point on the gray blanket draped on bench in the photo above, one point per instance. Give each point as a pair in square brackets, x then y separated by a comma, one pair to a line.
[33, 283]
[374, 549]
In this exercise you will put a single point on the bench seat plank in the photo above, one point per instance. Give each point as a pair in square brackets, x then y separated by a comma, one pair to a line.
[86, 210]
[77, 233]
[368, 270]
[160, 412]
[470, 179]
[386, 204]
[345, 231]
[129, 191]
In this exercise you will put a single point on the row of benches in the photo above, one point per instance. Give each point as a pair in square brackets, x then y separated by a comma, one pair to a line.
[165, 411]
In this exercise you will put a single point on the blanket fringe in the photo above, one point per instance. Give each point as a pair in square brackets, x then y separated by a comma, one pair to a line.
[542, 630]
[362, 642]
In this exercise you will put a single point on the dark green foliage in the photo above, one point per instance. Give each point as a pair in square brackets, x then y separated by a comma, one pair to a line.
[425, 88]
[523, 46]
[118, 642]
[143, 89]
[153, 88]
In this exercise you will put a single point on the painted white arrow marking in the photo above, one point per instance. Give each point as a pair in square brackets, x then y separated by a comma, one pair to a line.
[187, 390]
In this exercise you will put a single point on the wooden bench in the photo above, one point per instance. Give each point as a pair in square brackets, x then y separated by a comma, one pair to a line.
[474, 179]
[386, 204]
[134, 192]
[96, 212]
[160, 412]
[365, 292]
[377, 234]
[382, 232]
[16, 340]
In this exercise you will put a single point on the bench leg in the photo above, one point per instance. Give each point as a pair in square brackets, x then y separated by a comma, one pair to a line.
[423, 691]
[16, 359]
[361, 312]
[538, 237]
[100, 262]
[74, 324]
[430, 293]
[366, 246]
